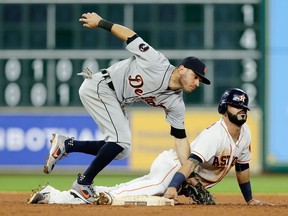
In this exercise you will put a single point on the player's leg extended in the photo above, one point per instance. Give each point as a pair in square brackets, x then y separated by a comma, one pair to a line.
[62, 145]
[101, 103]
[156, 182]
[49, 195]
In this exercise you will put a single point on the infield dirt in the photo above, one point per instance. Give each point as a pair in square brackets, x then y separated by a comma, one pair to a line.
[228, 204]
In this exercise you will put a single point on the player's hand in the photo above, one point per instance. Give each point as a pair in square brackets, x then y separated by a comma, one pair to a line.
[171, 193]
[90, 20]
[258, 202]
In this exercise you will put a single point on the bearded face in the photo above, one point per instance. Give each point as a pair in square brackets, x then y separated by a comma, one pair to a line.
[237, 115]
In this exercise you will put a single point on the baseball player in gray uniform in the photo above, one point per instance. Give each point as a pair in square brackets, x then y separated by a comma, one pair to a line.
[217, 149]
[146, 76]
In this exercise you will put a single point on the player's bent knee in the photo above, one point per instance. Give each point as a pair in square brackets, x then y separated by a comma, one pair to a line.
[125, 153]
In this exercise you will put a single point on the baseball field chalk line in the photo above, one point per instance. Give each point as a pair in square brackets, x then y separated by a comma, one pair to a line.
[143, 201]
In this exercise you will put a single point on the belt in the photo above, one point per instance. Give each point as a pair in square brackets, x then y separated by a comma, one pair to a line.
[105, 76]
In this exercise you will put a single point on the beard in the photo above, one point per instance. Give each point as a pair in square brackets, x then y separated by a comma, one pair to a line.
[235, 120]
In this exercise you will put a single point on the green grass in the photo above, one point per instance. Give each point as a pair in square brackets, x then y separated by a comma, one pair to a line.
[22, 182]
[275, 183]
[27, 182]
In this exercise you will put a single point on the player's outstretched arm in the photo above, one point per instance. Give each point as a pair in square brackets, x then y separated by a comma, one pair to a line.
[183, 173]
[182, 148]
[93, 20]
[243, 178]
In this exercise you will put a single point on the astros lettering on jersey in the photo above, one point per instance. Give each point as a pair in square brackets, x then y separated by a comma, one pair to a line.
[221, 153]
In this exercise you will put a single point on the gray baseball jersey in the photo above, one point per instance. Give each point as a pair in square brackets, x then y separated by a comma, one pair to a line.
[219, 152]
[145, 77]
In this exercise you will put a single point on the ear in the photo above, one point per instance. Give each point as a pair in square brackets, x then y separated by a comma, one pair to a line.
[181, 69]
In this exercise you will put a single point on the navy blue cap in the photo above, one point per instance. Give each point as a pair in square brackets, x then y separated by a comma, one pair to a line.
[197, 66]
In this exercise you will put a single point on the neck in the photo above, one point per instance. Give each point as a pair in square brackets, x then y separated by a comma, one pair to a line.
[174, 83]
[233, 129]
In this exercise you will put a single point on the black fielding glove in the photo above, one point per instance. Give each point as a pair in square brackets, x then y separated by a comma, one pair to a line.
[197, 193]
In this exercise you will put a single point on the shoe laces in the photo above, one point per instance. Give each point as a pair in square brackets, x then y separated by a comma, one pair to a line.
[91, 188]
[69, 141]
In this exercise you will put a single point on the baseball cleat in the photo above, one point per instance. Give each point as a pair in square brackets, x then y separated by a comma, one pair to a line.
[37, 198]
[40, 197]
[56, 153]
[84, 192]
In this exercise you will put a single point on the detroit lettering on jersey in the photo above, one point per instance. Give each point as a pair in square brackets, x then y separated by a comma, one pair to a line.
[137, 83]
[144, 77]
[146, 74]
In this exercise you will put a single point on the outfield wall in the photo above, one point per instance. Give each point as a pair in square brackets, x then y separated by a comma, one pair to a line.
[24, 138]
[151, 134]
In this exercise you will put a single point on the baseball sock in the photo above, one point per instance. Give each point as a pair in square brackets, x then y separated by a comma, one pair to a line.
[105, 155]
[88, 147]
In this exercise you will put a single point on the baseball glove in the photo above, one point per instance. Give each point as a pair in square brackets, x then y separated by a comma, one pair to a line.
[198, 193]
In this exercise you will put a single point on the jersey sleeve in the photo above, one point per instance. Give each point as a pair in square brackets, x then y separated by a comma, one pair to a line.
[246, 154]
[146, 56]
[175, 113]
[205, 147]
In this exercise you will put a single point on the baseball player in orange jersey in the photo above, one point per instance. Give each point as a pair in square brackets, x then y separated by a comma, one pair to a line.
[146, 76]
[219, 147]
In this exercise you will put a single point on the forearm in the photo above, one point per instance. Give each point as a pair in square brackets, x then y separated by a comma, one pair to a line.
[184, 172]
[93, 20]
[243, 178]
[188, 167]
[182, 148]
[122, 32]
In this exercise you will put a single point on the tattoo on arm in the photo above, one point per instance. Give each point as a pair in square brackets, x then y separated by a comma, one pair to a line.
[194, 162]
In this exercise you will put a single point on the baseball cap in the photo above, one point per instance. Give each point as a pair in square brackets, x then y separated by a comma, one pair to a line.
[197, 66]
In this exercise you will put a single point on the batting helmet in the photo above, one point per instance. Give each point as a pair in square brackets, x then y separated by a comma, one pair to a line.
[233, 96]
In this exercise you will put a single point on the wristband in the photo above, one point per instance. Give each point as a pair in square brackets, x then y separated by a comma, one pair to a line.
[105, 24]
[178, 133]
[177, 180]
[246, 191]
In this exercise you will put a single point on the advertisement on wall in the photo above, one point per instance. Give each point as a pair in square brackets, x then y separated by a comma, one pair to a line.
[25, 139]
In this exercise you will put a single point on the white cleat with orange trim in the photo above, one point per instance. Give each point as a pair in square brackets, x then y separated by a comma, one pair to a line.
[56, 153]
[84, 192]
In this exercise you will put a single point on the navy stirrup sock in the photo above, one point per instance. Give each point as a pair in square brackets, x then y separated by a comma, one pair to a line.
[105, 155]
[88, 147]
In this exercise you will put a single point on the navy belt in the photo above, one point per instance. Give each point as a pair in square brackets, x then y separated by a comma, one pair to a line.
[106, 75]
